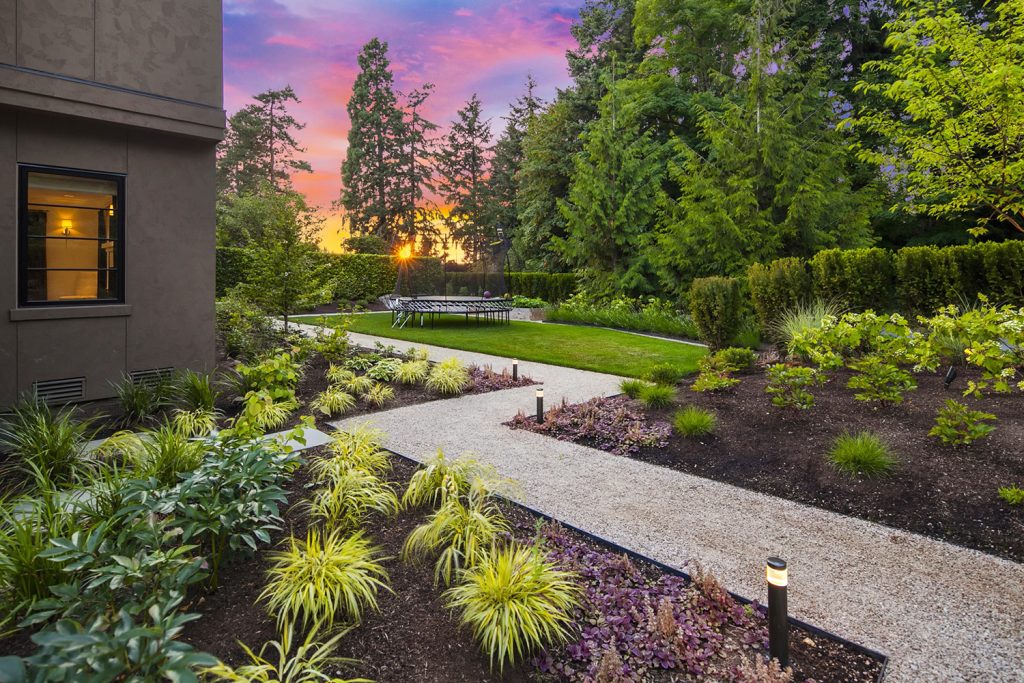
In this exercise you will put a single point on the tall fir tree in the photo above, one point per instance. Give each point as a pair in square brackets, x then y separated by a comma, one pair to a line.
[507, 161]
[371, 174]
[463, 164]
[260, 146]
[418, 216]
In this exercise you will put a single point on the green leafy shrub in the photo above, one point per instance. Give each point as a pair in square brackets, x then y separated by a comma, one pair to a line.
[715, 374]
[277, 375]
[716, 305]
[243, 329]
[736, 359]
[776, 287]
[307, 664]
[657, 396]
[553, 287]
[803, 317]
[879, 380]
[858, 334]
[462, 529]
[663, 373]
[693, 421]
[788, 385]
[957, 424]
[633, 387]
[928, 277]
[516, 602]
[449, 377]
[862, 453]
[361, 277]
[44, 444]
[324, 577]
[863, 278]
[233, 267]
[1014, 495]
[413, 372]
[520, 301]
[642, 315]
[334, 400]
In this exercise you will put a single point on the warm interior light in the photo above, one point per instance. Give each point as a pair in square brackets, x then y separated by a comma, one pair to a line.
[540, 393]
[776, 572]
[110, 209]
[405, 253]
[65, 227]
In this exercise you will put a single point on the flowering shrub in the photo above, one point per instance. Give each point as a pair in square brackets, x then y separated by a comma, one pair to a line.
[631, 623]
[610, 424]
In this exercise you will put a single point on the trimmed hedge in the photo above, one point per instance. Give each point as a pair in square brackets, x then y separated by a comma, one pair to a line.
[716, 304]
[363, 277]
[551, 287]
[912, 280]
[776, 287]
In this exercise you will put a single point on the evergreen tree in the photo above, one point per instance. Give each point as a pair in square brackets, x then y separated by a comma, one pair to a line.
[416, 180]
[259, 145]
[769, 175]
[371, 174]
[507, 161]
[463, 162]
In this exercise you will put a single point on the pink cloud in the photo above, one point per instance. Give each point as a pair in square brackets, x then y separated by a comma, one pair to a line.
[290, 41]
[463, 12]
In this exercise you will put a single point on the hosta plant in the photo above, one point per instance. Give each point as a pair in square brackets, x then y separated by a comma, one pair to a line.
[413, 372]
[350, 496]
[879, 380]
[516, 602]
[325, 577]
[462, 529]
[379, 395]
[956, 424]
[334, 400]
[278, 662]
[385, 370]
[449, 377]
[788, 385]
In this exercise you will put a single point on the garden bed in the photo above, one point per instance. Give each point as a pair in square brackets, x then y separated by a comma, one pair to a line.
[945, 492]
[413, 636]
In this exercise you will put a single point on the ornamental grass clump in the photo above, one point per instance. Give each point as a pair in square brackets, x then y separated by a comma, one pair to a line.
[379, 395]
[788, 385]
[956, 424]
[441, 479]
[516, 603]
[1013, 495]
[633, 387]
[862, 454]
[413, 372]
[463, 529]
[333, 401]
[356, 449]
[277, 662]
[879, 380]
[693, 421]
[348, 500]
[44, 444]
[449, 377]
[163, 453]
[657, 396]
[350, 382]
[663, 373]
[326, 577]
[803, 317]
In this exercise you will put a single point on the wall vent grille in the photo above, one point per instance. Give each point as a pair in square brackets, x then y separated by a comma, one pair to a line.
[60, 390]
[151, 377]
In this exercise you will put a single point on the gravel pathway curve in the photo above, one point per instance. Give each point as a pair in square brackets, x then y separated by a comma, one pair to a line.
[941, 612]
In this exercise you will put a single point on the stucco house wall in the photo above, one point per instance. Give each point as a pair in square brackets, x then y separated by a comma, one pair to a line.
[131, 87]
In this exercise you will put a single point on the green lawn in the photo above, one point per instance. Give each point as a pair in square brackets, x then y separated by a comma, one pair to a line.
[587, 348]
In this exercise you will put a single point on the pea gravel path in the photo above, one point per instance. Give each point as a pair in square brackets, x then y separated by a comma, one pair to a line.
[941, 612]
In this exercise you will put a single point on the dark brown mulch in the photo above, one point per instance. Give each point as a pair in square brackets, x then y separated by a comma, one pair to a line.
[945, 492]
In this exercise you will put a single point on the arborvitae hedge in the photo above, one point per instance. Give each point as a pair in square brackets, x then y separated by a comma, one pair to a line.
[551, 287]
[913, 280]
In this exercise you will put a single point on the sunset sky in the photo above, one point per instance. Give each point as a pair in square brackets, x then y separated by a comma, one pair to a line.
[462, 46]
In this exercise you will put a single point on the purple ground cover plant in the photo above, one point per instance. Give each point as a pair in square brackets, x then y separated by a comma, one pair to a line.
[484, 379]
[632, 623]
[610, 424]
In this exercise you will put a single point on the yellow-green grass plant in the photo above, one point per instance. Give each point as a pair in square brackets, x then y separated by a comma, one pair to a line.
[657, 395]
[278, 663]
[693, 421]
[379, 395]
[633, 387]
[462, 529]
[326, 577]
[862, 453]
[195, 423]
[516, 602]
[804, 316]
[413, 372]
[449, 377]
[350, 381]
[349, 498]
[163, 453]
[351, 450]
[333, 401]
[441, 479]
[192, 391]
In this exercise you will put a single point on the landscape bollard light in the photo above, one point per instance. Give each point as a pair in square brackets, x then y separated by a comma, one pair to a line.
[515, 370]
[540, 406]
[778, 618]
[950, 376]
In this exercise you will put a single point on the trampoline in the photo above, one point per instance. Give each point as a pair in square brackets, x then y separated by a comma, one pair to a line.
[405, 309]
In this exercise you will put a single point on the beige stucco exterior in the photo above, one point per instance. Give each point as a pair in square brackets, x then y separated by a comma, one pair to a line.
[131, 87]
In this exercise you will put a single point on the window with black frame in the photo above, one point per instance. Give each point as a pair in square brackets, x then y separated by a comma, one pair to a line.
[71, 234]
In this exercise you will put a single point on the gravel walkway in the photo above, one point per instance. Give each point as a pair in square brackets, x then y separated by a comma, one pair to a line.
[942, 613]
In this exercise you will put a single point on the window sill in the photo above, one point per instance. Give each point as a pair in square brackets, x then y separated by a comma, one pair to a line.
[70, 312]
